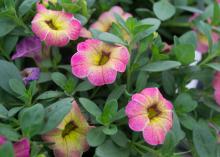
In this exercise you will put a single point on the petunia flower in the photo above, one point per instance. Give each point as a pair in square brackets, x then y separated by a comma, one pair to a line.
[105, 21]
[21, 148]
[30, 74]
[56, 28]
[149, 112]
[99, 61]
[29, 47]
[216, 86]
[69, 137]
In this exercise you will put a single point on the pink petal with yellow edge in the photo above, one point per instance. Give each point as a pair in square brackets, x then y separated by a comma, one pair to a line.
[56, 38]
[133, 109]
[22, 148]
[140, 98]
[109, 75]
[40, 30]
[138, 123]
[154, 135]
[95, 76]
[117, 65]
[80, 71]
[121, 53]
[74, 29]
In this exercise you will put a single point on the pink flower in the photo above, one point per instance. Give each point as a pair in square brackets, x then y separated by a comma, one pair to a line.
[21, 148]
[69, 137]
[99, 61]
[56, 28]
[216, 86]
[151, 113]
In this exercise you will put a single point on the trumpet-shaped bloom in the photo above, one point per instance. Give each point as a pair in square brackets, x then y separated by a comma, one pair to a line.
[30, 74]
[150, 113]
[21, 148]
[69, 137]
[29, 47]
[216, 86]
[106, 19]
[99, 61]
[56, 28]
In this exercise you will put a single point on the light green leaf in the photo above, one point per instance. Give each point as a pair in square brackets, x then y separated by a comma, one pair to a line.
[90, 106]
[160, 66]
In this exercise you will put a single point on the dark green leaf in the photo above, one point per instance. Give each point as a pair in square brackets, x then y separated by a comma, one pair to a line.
[59, 79]
[120, 139]
[168, 82]
[25, 6]
[7, 25]
[95, 137]
[3, 112]
[49, 95]
[17, 86]
[90, 106]
[160, 66]
[116, 92]
[8, 132]
[84, 86]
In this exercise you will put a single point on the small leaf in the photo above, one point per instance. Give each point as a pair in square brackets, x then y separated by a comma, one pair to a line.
[95, 137]
[84, 86]
[59, 79]
[17, 87]
[109, 111]
[110, 130]
[49, 95]
[160, 66]
[110, 38]
[116, 92]
[164, 9]
[3, 112]
[120, 139]
[14, 110]
[31, 120]
[90, 106]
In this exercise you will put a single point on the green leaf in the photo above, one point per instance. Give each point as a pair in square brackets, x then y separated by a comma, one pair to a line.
[119, 115]
[59, 79]
[6, 150]
[9, 3]
[168, 82]
[187, 121]
[17, 86]
[90, 106]
[190, 9]
[32, 119]
[25, 6]
[84, 86]
[9, 71]
[109, 111]
[3, 112]
[215, 66]
[109, 149]
[55, 113]
[204, 141]
[216, 14]
[141, 81]
[184, 103]
[9, 44]
[49, 95]
[110, 130]
[188, 38]
[160, 66]
[185, 53]
[110, 38]
[164, 9]
[95, 137]
[7, 25]
[120, 138]
[116, 92]
[8, 132]
[14, 110]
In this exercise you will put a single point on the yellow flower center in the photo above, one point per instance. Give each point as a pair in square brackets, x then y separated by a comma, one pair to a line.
[71, 126]
[51, 24]
[101, 58]
[153, 111]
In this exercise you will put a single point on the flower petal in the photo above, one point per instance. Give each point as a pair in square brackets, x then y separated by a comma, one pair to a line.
[133, 109]
[22, 148]
[138, 123]
[58, 38]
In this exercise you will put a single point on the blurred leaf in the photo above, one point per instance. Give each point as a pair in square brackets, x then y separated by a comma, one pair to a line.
[187, 121]
[185, 53]
[8, 132]
[84, 86]
[59, 79]
[49, 95]
[189, 38]
[25, 6]
[184, 103]
[95, 137]
[109, 149]
[160, 66]
[14, 110]
[215, 66]
[110, 38]
[168, 82]
[55, 114]
[120, 138]
[7, 25]
[110, 130]
[164, 9]
[141, 81]
[90, 106]
[6, 150]
[109, 111]
[31, 120]
[116, 92]
[119, 115]
[204, 141]
[216, 14]
[9, 44]
[3, 112]
[9, 71]
[17, 86]
[190, 9]
[9, 3]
